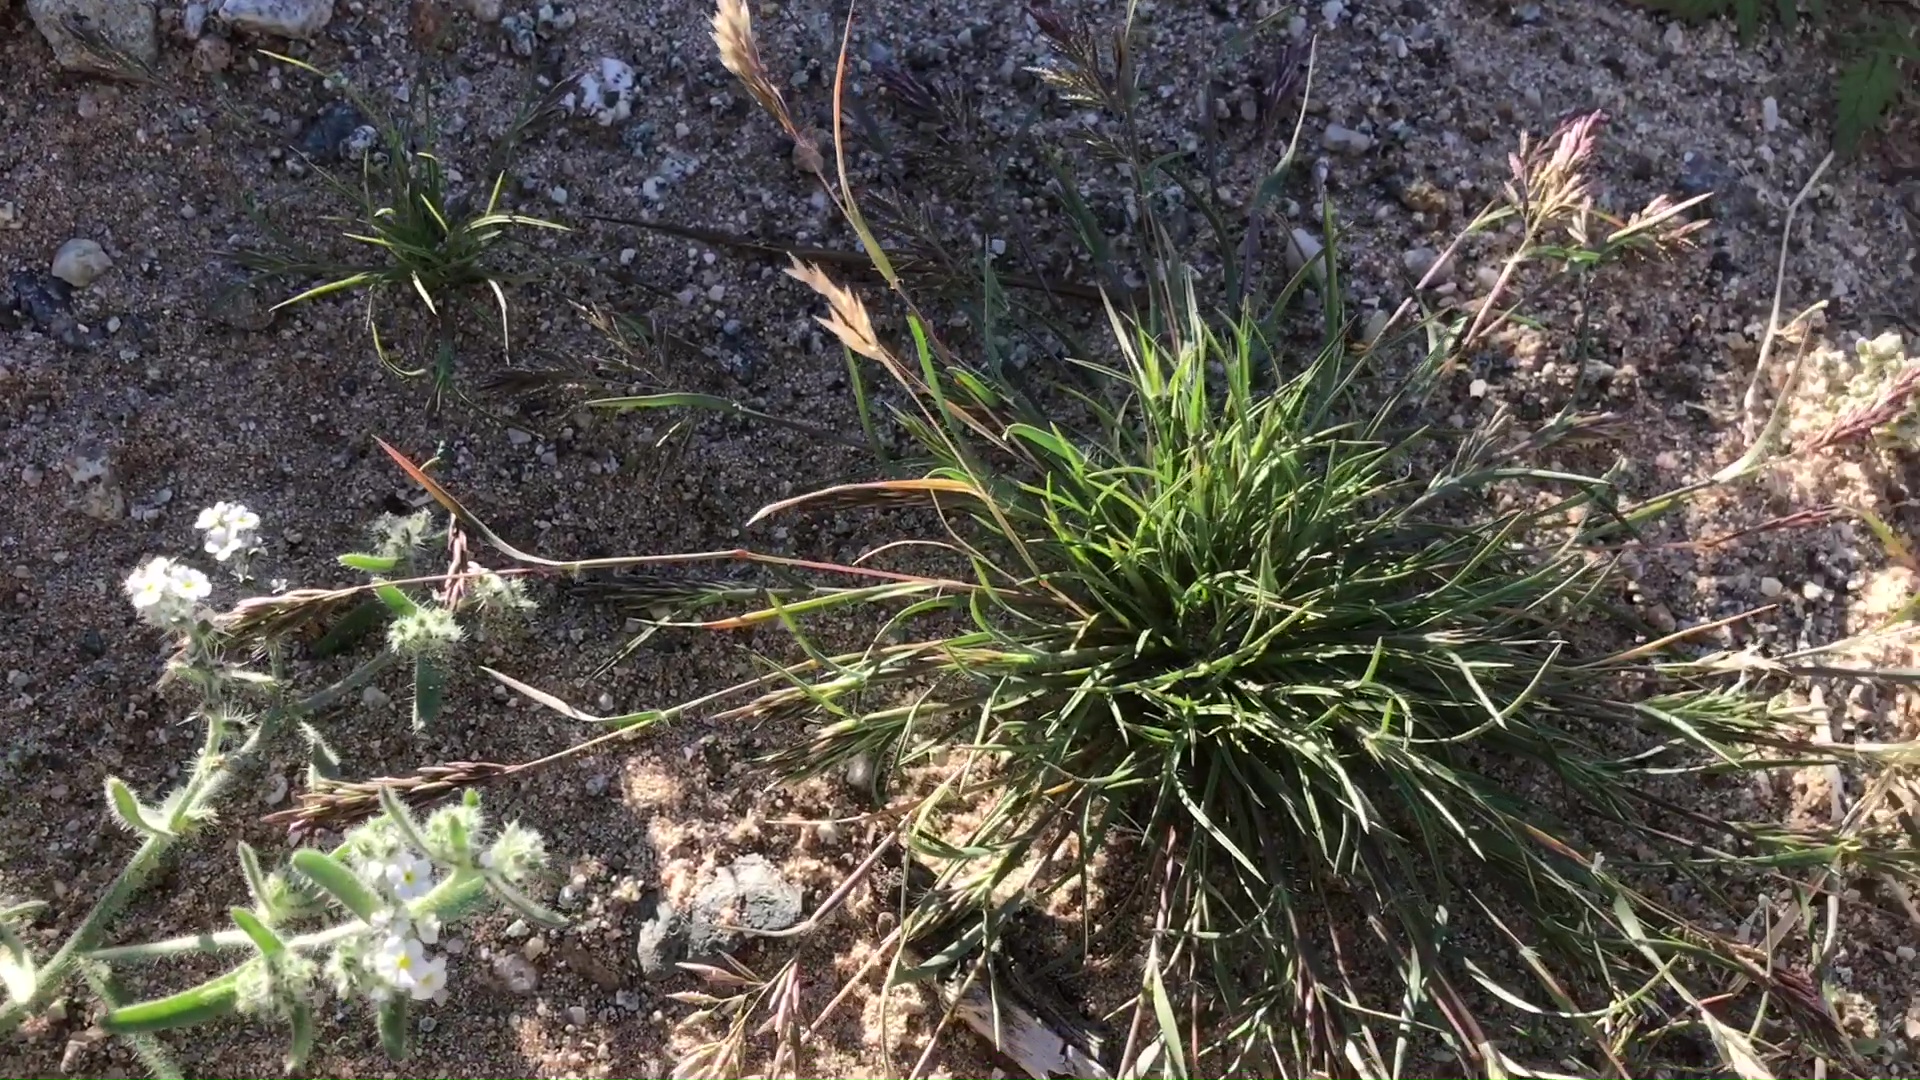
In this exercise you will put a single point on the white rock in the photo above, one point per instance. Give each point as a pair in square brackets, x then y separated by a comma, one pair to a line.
[487, 11]
[284, 18]
[1770, 115]
[1771, 586]
[193, 20]
[1344, 140]
[79, 261]
[605, 92]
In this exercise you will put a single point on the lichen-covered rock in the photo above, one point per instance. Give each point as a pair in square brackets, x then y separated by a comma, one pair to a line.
[283, 18]
[605, 92]
[125, 26]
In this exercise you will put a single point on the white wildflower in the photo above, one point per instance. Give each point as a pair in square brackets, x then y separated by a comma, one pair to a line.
[230, 528]
[165, 592]
[189, 584]
[409, 876]
[427, 630]
[149, 586]
[399, 961]
[430, 980]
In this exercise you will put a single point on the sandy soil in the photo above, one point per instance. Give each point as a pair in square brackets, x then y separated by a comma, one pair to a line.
[190, 406]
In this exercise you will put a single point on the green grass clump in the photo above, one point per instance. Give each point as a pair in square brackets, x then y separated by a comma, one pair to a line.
[1334, 697]
[422, 242]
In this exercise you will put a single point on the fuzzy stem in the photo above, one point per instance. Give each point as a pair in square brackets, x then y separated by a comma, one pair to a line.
[212, 943]
[209, 771]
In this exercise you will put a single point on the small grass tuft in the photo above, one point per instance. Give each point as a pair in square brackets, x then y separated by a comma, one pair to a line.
[426, 242]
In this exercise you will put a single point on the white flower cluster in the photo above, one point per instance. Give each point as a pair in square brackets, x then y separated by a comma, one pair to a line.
[165, 592]
[401, 960]
[230, 528]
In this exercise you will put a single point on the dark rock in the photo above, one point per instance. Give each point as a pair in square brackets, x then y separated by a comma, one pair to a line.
[326, 137]
[1700, 174]
[42, 301]
[93, 644]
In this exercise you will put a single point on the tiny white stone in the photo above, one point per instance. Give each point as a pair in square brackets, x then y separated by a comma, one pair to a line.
[1771, 586]
[1770, 115]
[79, 261]
[1478, 388]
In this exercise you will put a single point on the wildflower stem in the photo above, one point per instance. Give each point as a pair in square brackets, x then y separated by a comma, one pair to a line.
[225, 939]
[208, 777]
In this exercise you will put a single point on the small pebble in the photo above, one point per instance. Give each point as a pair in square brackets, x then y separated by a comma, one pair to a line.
[518, 929]
[374, 698]
[535, 948]
[1771, 586]
[1770, 115]
[1419, 261]
[577, 1015]
[518, 437]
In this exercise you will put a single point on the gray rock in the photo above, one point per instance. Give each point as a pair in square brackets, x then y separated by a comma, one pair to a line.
[747, 895]
[1342, 140]
[750, 894]
[1303, 253]
[193, 20]
[488, 11]
[519, 29]
[1420, 260]
[127, 26]
[662, 941]
[283, 18]
[79, 261]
